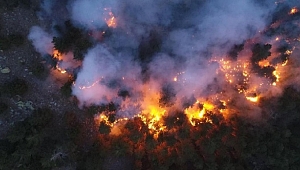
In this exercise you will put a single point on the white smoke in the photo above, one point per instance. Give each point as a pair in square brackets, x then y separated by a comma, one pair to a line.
[91, 13]
[188, 35]
[41, 40]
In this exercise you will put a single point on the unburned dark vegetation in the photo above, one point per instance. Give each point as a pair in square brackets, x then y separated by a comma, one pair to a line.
[47, 140]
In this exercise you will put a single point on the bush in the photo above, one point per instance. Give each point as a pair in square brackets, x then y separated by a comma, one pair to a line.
[104, 128]
[16, 86]
[30, 142]
[16, 39]
[41, 117]
[39, 71]
[4, 43]
[3, 107]
[66, 89]
[11, 4]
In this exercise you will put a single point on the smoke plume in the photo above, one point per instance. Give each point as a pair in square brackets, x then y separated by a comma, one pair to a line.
[170, 53]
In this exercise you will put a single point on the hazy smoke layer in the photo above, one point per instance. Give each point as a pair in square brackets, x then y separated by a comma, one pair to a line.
[161, 50]
[41, 40]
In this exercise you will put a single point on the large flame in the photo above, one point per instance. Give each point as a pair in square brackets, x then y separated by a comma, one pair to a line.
[236, 73]
[197, 111]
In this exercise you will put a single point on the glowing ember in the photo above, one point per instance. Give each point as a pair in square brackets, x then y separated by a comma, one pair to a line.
[293, 11]
[88, 86]
[288, 52]
[57, 55]
[253, 99]
[264, 63]
[61, 70]
[284, 63]
[177, 77]
[235, 72]
[110, 19]
[276, 74]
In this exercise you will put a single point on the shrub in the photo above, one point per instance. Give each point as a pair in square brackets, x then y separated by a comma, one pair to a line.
[3, 107]
[104, 128]
[16, 86]
[16, 39]
[66, 89]
[39, 70]
[11, 4]
[4, 43]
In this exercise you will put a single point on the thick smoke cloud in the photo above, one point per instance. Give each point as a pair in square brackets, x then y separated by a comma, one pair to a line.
[157, 44]
[98, 64]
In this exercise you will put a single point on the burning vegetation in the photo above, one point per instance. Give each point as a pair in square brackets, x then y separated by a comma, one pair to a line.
[163, 92]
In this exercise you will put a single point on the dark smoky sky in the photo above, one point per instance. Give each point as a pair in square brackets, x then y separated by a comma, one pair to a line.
[155, 41]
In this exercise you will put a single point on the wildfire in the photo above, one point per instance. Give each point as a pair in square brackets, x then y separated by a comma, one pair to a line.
[284, 63]
[253, 99]
[288, 52]
[110, 19]
[102, 117]
[152, 116]
[238, 73]
[294, 10]
[152, 113]
[276, 74]
[57, 55]
[264, 63]
[88, 86]
[198, 110]
[235, 72]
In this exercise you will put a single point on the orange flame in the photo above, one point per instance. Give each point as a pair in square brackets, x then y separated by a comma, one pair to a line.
[152, 112]
[197, 111]
[110, 19]
[89, 86]
[56, 54]
[253, 99]
[294, 10]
